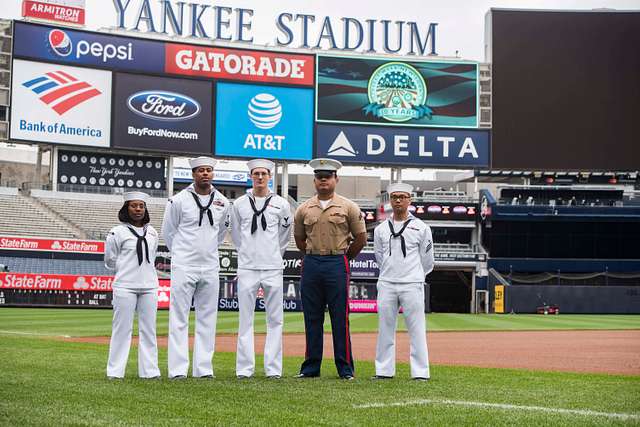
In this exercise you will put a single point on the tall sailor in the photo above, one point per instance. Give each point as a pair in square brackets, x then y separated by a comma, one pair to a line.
[194, 225]
[260, 230]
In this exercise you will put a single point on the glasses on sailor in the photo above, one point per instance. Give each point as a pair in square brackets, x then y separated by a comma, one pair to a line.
[400, 197]
[324, 174]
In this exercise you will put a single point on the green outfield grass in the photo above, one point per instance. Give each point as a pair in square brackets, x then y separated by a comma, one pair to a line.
[52, 382]
[95, 322]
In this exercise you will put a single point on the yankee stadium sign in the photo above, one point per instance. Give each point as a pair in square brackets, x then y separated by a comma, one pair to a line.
[223, 23]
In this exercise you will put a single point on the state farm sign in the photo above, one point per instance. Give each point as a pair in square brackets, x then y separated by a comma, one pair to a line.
[238, 64]
[57, 282]
[63, 11]
[55, 245]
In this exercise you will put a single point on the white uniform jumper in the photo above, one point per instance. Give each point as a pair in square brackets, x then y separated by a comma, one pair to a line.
[260, 228]
[135, 288]
[403, 268]
[193, 235]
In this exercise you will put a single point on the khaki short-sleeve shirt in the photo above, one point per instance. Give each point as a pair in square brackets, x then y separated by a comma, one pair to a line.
[328, 231]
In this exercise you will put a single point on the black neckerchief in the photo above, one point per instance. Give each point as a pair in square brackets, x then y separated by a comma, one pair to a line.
[141, 239]
[204, 209]
[399, 234]
[257, 213]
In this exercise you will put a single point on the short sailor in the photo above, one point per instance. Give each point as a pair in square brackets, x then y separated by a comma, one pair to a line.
[403, 248]
[130, 250]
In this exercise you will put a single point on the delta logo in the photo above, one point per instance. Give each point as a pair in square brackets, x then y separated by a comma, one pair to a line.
[61, 91]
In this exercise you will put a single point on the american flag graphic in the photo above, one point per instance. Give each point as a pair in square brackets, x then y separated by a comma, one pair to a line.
[61, 91]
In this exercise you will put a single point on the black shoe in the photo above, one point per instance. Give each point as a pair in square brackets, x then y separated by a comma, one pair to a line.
[420, 379]
[347, 377]
[243, 377]
[274, 377]
[381, 377]
[110, 378]
[301, 375]
[207, 377]
[178, 378]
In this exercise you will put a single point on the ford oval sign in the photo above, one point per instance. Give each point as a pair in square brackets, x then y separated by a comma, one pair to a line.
[161, 105]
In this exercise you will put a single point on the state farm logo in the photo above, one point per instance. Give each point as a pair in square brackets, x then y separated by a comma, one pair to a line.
[56, 245]
[60, 90]
[161, 105]
[60, 42]
[264, 111]
[81, 283]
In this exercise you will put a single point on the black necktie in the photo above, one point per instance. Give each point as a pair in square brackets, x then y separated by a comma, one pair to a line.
[204, 209]
[399, 234]
[257, 213]
[141, 240]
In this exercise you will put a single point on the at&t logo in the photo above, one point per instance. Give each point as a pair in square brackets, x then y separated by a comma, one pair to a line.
[265, 112]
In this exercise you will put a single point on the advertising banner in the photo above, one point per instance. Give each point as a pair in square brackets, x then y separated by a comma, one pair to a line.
[378, 91]
[162, 114]
[54, 245]
[111, 170]
[42, 42]
[264, 121]
[60, 104]
[377, 145]
[238, 64]
[63, 11]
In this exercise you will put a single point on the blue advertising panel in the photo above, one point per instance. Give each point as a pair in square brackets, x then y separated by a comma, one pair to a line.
[404, 146]
[87, 48]
[162, 114]
[264, 121]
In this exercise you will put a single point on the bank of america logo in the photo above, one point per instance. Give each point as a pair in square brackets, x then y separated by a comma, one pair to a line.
[341, 147]
[61, 91]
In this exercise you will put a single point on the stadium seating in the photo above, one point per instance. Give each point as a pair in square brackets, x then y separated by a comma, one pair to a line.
[22, 216]
[55, 266]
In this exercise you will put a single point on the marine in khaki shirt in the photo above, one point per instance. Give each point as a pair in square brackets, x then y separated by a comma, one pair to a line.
[330, 230]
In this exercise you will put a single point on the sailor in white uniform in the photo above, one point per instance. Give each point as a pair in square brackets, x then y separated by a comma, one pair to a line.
[130, 250]
[260, 228]
[403, 248]
[194, 225]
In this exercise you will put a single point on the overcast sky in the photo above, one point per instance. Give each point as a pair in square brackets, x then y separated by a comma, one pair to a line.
[460, 22]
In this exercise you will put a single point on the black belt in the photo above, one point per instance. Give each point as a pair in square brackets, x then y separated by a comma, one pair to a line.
[327, 252]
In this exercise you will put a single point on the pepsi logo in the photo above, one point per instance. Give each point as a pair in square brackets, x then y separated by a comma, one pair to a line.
[265, 111]
[60, 42]
[161, 105]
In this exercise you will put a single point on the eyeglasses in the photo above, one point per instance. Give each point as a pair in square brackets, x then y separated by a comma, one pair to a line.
[400, 197]
[323, 174]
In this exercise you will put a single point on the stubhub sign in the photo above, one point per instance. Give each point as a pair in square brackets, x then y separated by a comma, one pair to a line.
[264, 121]
[64, 45]
[403, 146]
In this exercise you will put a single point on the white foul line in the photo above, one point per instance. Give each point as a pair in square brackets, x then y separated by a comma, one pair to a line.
[33, 334]
[584, 412]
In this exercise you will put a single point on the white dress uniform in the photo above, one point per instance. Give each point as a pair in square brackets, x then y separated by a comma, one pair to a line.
[135, 288]
[401, 282]
[261, 243]
[193, 235]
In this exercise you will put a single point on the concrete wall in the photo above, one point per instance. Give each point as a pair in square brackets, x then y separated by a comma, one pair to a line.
[14, 174]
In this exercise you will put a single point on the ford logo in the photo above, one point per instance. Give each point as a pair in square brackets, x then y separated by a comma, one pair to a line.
[161, 105]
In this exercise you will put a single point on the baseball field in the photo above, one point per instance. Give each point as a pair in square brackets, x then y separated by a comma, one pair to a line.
[53, 372]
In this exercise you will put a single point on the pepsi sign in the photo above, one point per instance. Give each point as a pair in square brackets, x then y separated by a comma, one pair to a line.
[162, 114]
[48, 43]
[162, 105]
[264, 121]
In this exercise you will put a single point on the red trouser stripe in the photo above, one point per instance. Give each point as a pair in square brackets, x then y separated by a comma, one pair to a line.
[346, 314]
